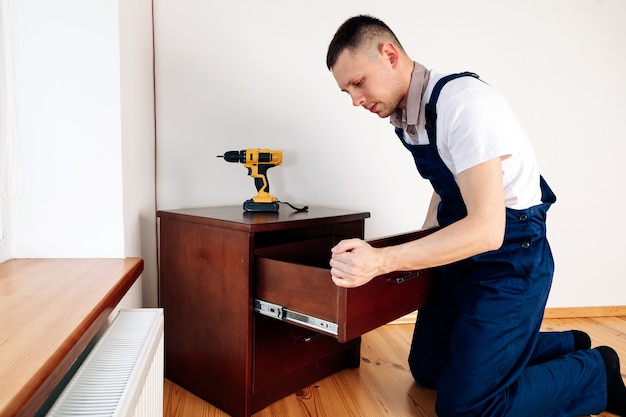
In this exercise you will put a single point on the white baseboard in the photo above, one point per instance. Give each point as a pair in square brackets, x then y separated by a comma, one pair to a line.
[551, 313]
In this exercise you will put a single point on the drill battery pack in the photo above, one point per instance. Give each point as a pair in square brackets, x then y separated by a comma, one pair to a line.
[250, 205]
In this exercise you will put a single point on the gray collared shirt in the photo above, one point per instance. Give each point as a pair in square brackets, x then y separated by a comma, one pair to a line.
[408, 119]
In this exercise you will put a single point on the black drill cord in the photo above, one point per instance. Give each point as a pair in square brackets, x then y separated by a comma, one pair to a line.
[297, 209]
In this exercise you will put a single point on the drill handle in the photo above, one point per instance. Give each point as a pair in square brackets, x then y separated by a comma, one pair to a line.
[261, 184]
[260, 181]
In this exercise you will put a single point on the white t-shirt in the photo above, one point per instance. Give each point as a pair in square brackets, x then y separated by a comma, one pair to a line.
[474, 125]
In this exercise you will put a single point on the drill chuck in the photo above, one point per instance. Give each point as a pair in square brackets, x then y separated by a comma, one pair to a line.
[235, 156]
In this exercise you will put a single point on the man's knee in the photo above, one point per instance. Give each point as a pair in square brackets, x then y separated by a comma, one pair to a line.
[423, 374]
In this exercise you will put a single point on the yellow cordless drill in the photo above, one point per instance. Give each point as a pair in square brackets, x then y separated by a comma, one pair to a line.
[258, 161]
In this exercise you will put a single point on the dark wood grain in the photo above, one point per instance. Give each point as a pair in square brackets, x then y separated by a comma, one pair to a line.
[215, 345]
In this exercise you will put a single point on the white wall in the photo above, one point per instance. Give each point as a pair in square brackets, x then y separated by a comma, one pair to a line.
[87, 132]
[138, 139]
[233, 75]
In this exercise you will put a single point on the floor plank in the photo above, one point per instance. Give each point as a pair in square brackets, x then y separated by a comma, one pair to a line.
[383, 385]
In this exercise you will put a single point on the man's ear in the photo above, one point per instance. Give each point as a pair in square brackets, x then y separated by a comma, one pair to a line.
[390, 53]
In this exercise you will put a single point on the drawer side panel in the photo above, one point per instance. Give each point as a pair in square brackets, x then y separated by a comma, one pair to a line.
[301, 288]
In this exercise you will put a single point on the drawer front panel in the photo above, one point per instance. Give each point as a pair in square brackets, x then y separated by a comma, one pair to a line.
[289, 358]
[384, 299]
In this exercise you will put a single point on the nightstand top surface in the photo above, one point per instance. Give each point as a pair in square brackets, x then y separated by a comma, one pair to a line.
[234, 217]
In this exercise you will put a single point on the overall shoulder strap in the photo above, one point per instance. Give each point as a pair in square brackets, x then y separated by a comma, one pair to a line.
[431, 107]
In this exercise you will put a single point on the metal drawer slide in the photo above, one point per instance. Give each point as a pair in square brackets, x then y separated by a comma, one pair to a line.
[281, 313]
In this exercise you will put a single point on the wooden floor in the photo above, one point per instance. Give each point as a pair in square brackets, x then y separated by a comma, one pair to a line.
[383, 385]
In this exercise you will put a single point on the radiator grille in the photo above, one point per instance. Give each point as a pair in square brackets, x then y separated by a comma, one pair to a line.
[123, 374]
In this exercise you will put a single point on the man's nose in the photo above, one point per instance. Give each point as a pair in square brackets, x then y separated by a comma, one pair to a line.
[358, 100]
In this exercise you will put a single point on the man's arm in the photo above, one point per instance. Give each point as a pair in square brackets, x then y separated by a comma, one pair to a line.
[354, 262]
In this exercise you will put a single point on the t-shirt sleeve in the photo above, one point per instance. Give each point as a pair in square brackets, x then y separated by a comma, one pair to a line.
[472, 128]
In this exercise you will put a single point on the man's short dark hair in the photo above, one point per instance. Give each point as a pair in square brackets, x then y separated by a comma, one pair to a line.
[353, 33]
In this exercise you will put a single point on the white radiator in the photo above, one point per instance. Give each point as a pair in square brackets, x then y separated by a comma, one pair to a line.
[123, 375]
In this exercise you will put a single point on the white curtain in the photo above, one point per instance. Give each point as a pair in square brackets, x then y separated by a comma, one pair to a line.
[11, 164]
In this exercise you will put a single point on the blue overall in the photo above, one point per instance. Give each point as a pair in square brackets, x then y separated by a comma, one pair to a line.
[479, 343]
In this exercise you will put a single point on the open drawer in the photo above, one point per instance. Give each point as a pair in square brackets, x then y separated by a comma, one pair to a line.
[293, 284]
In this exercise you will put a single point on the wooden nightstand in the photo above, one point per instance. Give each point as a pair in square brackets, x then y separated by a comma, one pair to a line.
[251, 314]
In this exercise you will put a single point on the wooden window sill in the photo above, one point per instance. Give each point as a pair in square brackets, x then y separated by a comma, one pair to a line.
[49, 311]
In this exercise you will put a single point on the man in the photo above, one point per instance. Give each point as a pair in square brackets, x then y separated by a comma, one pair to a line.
[479, 343]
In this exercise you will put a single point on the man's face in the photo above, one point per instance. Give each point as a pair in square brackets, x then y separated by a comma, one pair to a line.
[371, 81]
